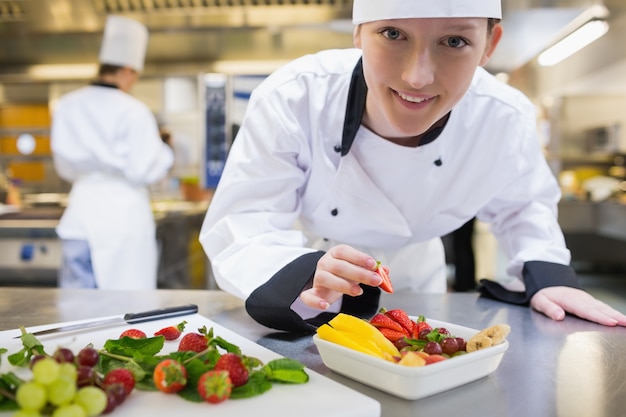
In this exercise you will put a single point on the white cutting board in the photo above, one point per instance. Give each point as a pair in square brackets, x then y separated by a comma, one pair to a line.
[320, 396]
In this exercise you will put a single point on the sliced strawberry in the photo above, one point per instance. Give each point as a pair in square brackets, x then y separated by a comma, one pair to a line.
[134, 333]
[402, 318]
[381, 320]
[392, 335]
[383, 271]
[419, 326]
[172, 332]
[215, 386]
[233, 363]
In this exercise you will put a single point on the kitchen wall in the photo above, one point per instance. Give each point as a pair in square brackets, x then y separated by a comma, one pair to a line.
[585, 91]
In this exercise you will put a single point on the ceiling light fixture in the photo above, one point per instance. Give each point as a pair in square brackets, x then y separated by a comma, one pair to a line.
[587, 27]
[62, 71]
[573, 43]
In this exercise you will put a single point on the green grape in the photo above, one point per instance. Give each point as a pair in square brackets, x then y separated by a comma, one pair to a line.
[69, 410]
[69, 370]
[46, 371]
[61, 391]
[26, 413]
[92, 399]
[31, 396]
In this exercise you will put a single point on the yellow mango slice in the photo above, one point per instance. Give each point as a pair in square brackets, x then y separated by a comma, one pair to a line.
[333, 335]
[349, 323]
[362, 341]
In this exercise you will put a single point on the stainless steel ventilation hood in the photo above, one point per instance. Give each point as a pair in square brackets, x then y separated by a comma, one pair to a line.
[188, 36]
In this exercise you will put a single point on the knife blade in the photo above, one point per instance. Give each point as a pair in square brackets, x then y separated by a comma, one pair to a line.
[128, 318]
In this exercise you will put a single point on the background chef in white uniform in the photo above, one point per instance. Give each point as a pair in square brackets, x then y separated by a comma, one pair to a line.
[350, 156]
[107, 144]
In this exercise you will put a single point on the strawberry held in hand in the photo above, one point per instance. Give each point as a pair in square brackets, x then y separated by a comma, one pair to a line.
[172, 332]
[383, 271]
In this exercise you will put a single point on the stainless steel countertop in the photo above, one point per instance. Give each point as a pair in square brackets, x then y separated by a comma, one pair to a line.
[571, 368]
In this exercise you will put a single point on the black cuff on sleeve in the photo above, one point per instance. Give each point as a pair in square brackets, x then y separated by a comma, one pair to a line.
[537, 275]
[270, 304]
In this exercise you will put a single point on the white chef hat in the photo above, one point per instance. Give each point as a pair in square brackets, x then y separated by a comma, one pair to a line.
[124, 43]
[370, 10]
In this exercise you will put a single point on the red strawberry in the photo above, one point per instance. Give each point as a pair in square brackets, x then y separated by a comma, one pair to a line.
[233, 363]
[215, 386]
[120, 376]
[170, 376]
[195, 342]
[383, 271]
[172, 332]
[419, 326]
[134, 333]
[381, 320]
[392, 335]
[403, 319]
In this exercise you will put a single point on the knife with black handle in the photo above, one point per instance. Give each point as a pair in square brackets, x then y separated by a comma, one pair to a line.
[128, 318]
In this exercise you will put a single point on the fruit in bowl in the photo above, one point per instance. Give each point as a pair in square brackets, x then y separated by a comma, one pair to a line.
[352, 346]
[392, 334]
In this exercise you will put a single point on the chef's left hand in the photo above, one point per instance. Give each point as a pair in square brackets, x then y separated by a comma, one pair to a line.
[555, 302]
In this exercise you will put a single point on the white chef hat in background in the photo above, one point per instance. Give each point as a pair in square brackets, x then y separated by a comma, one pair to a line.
[124, 43]
[369, 10]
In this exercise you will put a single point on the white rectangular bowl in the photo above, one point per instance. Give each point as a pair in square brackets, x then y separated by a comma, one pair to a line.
[408, 382]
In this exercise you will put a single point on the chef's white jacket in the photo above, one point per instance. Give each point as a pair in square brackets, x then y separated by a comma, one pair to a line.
[106, 143]
[302, 175]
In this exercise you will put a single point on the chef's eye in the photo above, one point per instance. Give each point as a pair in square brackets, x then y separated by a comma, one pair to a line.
[392, 34]
[455, 42]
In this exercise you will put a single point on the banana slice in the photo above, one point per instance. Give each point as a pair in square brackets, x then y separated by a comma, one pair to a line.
[490, 336]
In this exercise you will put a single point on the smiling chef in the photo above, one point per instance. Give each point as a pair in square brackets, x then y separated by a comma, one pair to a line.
[348, 157]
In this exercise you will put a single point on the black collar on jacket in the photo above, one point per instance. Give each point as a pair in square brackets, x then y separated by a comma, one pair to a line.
[103, 84]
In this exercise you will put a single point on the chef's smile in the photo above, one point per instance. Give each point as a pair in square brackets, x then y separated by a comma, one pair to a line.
[414, 99]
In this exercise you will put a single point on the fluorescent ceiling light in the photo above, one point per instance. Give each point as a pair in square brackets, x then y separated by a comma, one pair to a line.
[258, 67]
[63, 71]
[574, 42]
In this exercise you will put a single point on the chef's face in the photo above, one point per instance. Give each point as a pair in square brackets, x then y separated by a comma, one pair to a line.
[416, 70]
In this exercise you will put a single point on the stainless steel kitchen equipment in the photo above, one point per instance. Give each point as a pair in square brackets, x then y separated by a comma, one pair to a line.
[30, 252]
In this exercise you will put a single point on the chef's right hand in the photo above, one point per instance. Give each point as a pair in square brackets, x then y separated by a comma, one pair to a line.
[338, 272]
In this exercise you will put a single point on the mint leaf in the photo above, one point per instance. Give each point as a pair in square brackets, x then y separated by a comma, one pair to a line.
[257, 384]
[224, 344]
[8, 385]
[286, 370]
[137, 349]
[32, 346]
[195, 369]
